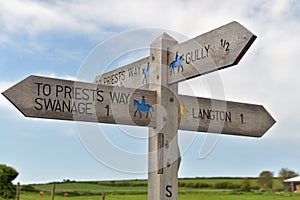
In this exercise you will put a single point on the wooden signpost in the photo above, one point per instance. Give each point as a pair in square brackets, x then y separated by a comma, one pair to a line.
[43, 97]
[226, 117]
[157, 105]
[133, 75]
[218, 49]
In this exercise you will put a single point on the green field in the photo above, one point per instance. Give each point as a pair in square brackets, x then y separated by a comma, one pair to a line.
[189, 189]
[187, 196]
[141, 185]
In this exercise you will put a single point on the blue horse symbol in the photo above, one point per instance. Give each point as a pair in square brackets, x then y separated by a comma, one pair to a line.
[146, 73]
[176, 63]
[142, 107]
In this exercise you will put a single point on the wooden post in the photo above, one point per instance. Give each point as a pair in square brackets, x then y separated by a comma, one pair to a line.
[164, 155]
[103, 196]
[53, 192]
[18, 191]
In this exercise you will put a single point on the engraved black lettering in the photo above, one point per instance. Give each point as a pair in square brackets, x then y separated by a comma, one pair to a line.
[38, 87]
[114, 97]
[217, 114]
[77, 93]
[81, 108]
[193, 111]
[85, 95]
[49, 105]
[68, 91]
[88, 108]
[188, 58]
[211, 114]
[46, 89]
[39, 104]
[66, 106]
[59, 89]
[57, 107]
[107, 110]
[222, 116]
[74, 108]
[225, 44]
[207, 48]
[208, 114]
[100, 98]
[119, 97]
[228, 116]
[95, 92]
[168, 190]
[123, 75]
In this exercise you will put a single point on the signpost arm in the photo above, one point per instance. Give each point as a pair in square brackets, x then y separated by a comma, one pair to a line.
[164, 155]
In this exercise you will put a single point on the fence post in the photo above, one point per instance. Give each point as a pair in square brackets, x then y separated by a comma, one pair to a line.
[103, 196]
[53, 192]
[18, 191]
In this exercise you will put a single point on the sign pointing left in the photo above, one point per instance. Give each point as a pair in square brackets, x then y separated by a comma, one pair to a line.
[43, 97]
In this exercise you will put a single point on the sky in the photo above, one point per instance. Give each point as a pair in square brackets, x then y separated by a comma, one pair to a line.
[55, 38]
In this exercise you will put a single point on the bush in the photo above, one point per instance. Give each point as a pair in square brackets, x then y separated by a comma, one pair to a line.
[226, 185]
[7, 175]
[265, 180]
[246, 185]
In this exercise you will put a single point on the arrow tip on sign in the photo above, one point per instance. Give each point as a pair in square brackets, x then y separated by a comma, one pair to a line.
[17, 94]
[250, 41]
[269, 121]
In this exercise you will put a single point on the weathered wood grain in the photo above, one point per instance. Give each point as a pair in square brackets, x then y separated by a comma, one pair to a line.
[226, 117]
[43, 97]
[133, 75]
[164, 156]
[217, 49]
[93, 103]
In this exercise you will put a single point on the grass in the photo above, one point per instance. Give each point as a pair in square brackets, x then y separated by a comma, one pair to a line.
[187, 196]
[237, 181]
[141, 185]
[137, 190]
[93, 187]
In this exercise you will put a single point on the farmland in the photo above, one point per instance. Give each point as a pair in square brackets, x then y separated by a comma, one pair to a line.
[186, 196]
[196, 188]
[182, 196]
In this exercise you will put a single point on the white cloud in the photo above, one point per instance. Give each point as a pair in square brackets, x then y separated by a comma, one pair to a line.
[36, 16]
[267, 74]
[272, 61]
[94, 16]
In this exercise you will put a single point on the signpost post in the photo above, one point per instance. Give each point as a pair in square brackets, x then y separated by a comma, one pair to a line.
[158, 105]
[164, 155]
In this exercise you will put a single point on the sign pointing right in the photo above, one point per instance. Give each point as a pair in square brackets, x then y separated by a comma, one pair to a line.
[218, 49]
[226, 117]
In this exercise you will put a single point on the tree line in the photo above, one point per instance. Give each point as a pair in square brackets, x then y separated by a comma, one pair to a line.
[266, 178]
[265, 181]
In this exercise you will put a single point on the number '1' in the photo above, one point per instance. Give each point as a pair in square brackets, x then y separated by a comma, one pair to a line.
[242, 118]
[107, 110]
